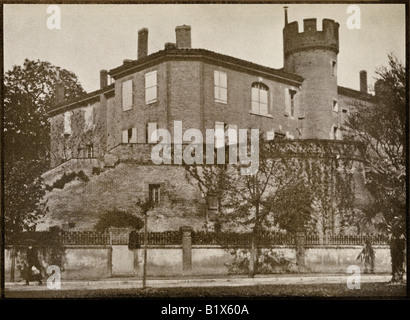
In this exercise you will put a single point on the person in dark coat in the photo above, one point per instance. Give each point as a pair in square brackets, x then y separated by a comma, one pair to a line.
[33, 267]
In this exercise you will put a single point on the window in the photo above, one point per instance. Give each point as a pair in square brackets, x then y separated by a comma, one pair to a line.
[213, 206]
[89, 118]
[219, 134]
[154, 193]
[270, 135]
[290, 102]
[152, 136]
[300, 128]
[220, 86]
[127, 95]
[232, 134]
[336, 133]
[151, 87]
[212, 200]
[67, 123]
[345, 114]
[129, 136]
[89, 150]
[260, 98]
[335, 106]
[334, 68]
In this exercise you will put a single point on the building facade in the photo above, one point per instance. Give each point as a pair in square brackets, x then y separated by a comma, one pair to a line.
[206, 90]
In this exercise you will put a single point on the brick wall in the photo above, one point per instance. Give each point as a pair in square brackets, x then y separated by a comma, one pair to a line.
[83, 202]
[238, 106]
[185, 92]
[141, 113]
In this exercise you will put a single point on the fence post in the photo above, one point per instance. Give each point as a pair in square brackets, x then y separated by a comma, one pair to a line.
[300, 251]
[186, 250]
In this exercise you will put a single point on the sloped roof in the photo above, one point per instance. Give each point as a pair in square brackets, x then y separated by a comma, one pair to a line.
[209, 56]
[353, 93]
[71, 104]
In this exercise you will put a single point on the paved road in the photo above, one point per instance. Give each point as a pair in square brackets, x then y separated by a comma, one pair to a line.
[129, 283]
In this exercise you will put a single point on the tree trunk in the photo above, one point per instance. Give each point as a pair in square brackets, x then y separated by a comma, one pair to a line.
[144, 269]
[251, 270]
[253, 257]
[13, 263]
[397, 253]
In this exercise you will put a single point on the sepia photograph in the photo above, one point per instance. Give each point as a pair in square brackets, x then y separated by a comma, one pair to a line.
[252, 151]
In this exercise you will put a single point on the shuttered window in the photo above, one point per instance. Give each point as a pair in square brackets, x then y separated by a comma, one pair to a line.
[67, 123]
[152, 136]
[127, 95]
[151, 87]
[220, 87]
[129, 135]
[260, 98]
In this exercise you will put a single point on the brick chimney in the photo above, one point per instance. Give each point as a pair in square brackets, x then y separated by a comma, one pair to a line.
[170, 46]
[142, 43]
[183, 35]
[363, 81]
[103, 79]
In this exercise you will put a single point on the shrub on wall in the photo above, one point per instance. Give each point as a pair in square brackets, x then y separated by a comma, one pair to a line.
[119, 219]
[270, 261]
[66, 178]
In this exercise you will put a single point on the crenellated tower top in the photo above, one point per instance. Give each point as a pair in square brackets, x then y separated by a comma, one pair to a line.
[310, 38]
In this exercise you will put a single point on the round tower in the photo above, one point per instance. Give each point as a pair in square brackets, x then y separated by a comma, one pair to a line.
[312, 54]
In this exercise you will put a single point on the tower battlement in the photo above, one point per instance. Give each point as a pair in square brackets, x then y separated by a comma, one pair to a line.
[311, 38]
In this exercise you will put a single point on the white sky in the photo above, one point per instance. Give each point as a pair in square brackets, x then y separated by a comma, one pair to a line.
[94, 37]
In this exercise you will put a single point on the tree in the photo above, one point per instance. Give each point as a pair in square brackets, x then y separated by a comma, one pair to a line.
[23, 202]
[293, 208]
[292, 177]
[251, 197]
[213, 181]
[29, 93]
[380, 127]
[23, 194]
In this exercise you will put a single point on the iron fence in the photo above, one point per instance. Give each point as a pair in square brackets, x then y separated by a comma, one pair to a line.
[85, 238]
[378, 239]
[197, 238]
[237, 239]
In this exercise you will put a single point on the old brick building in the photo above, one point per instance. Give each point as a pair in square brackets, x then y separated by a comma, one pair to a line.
[110, 127]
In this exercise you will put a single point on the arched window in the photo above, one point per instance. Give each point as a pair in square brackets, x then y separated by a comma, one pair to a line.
[260, 98]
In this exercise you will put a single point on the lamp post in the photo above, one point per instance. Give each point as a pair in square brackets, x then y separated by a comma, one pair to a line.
[145, 206]
[213, 205]
[144, 269]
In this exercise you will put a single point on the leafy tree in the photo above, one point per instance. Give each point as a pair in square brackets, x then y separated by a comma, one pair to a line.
[250, 197]
[119, 219]
[380, 127]
[293, 208]
[213, 181]
[23, 193]
[292, 177]
[29, 93]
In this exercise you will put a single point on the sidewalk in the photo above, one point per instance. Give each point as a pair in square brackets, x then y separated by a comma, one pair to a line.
[132, 282]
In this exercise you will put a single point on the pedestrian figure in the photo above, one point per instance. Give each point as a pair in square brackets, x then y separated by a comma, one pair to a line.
[367, 256]
[32, 269]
